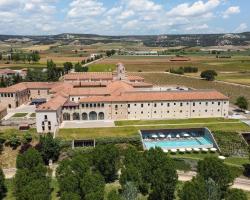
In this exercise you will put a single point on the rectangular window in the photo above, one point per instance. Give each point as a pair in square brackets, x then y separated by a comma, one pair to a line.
[38, 92]
[193, 104]
[155, 105]
[181, 104]
[128, 105]
[45, 117]
[161, 104]
[102, 104]
[168, 104]
[206, 103]
[218, 103]
[141, 105]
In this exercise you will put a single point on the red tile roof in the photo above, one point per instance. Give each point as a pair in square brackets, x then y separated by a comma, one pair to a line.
[53, 104]
[160, 96]
[89, 76]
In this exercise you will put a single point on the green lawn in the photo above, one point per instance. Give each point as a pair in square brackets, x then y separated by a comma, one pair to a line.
[178, 121]
[10, 187]
[19, 115]
[33, 115]
[130, 131]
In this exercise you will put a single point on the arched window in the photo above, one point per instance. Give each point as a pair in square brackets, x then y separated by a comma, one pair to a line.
[92, 116]
[76, 116]
[66, 116]
[84, 116]
[101, 116]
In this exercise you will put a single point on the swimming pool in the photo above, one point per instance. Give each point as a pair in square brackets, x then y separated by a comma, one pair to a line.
[198, 138]
[176, 144]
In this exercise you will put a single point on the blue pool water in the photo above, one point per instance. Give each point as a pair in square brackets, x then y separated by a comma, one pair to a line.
[181, 143]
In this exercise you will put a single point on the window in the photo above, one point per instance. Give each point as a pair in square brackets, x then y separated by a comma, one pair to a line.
[49, 127]
[83, 105]
[49, 123]
[141, 112]
[206, 103]
[116, 106]
[187, 103]
[116, 113]
[98, 105]
[90, 105]
[135, 104]
[168, 111]
[218, 110]
[212, 102]
[193, 104]
[200, 103]
[148, 104]
[42, 123]
[174, 104]
[87, 105]
[102, 104]
[128, 112]
[225, 102]
[161, 104]
[95, 105]
[43, 128]
[180, 111]
[154, 111]
[128, 105]
[181, 104]
[45, 117]
[141, 105]
[218, 103]
[193, 110]
[168, 104]
[205, 110]
[73, 99]
[38, 92]
[155, 105]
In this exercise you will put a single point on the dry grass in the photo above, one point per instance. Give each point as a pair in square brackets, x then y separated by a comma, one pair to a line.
[39, 47]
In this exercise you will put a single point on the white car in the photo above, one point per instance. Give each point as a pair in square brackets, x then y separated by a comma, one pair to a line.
[246, 111]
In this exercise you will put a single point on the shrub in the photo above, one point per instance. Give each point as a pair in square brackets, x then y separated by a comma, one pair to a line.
[208, 75]
[27, 138]
[14, 141]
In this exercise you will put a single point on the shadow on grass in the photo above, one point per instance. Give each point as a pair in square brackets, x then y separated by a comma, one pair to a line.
[246, 170]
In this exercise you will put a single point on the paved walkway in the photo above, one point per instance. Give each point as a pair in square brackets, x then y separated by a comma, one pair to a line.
[87, 124]
[239, 183]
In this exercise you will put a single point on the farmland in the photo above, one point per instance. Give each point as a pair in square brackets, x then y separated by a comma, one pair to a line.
[233, 91]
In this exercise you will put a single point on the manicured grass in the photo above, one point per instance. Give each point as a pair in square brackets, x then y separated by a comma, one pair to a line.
[19, 115]
[130, 131]
[181, 121]
[33, 115]
[6, 133]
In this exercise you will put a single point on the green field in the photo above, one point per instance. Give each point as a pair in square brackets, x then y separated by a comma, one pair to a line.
[101, 68]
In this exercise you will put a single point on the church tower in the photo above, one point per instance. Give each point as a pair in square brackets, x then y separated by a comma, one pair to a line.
[120, 72]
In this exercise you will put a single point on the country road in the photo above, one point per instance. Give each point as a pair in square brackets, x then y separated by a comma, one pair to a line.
[239, 183]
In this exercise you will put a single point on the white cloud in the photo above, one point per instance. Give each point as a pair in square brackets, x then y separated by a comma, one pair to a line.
[197, 27]
[230, 11]
[242, 27]
[83, 8]
[197, 8]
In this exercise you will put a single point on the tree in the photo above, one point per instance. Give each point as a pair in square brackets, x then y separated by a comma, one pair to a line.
[130, 191]
[106, 160]
[208, 75]
[31, 172]
[49, 148]
[70, 196]
[78, 67]
[214, 168]
[114, 195]
[92, 186]
[3, 188]
[236, 194]
[67, 66]
[52, 71]
[29, 160]
[17, 79]
[242, 103]
[195, 190]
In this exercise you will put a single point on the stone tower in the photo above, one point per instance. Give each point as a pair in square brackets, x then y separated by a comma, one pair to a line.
[120, 72]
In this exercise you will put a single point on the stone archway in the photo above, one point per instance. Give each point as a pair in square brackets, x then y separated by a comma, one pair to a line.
[76, 116]
[101, 116]
[84, 116]
[92, 115]
[66, 116]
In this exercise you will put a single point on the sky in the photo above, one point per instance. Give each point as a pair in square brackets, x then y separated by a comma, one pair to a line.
[123, 17]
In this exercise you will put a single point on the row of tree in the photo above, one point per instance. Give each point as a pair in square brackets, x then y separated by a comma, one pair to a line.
[23, 57]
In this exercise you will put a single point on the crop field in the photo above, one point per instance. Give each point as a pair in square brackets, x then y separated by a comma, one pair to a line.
[163, 63]
[101, 68]
[233, 91]
[240, 78]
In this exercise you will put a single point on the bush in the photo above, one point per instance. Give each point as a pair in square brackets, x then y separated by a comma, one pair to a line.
[27, 138]
[135, 141]
[208, 75]
[14, 141]
[177, 71]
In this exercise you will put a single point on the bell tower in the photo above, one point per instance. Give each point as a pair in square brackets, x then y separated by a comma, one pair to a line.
[120, 72]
